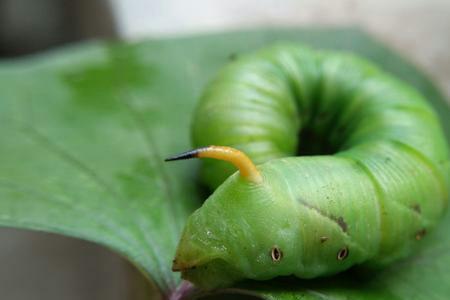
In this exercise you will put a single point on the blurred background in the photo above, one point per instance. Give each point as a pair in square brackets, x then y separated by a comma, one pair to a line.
[46, 266]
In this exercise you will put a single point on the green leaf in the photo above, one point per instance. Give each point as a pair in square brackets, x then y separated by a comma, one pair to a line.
[85, 130]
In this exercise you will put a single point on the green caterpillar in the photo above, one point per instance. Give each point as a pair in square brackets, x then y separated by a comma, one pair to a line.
[377, 182]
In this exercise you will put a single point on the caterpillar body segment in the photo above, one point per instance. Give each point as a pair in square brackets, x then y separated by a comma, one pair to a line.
[371, 180]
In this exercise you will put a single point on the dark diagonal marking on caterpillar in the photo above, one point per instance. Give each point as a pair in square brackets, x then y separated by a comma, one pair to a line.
[338, 220]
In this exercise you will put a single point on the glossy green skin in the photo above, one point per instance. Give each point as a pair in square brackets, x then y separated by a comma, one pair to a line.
[384, 187]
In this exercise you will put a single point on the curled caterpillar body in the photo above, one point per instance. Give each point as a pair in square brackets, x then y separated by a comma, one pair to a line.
[372, 179]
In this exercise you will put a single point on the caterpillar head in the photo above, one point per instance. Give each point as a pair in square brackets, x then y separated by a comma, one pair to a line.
[238, 233]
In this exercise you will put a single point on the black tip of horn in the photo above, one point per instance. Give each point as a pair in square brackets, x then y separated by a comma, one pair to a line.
[185, 155]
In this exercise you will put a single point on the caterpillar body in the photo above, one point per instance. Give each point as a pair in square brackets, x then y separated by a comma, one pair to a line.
[375, 178]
